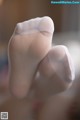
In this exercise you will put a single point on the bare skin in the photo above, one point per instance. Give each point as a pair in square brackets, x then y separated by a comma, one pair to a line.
[34, 64]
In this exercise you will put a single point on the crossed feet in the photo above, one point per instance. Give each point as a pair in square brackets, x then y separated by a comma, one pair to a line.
[33, 60]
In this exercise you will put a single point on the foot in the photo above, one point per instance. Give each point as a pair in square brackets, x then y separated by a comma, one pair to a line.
[56, 72]
[29, 44]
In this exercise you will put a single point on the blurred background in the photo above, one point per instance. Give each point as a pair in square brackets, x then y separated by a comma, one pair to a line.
[67, 32]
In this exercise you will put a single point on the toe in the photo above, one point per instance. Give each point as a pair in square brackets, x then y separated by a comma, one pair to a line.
[46, 25]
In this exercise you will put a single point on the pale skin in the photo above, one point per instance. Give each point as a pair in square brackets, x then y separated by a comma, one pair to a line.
[38, 70]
